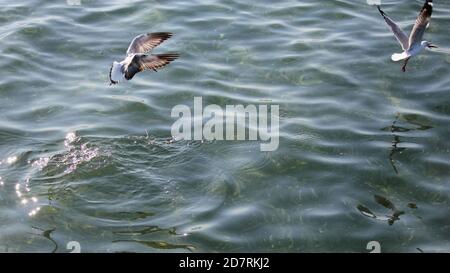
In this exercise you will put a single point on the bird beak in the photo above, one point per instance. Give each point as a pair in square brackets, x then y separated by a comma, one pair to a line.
[432, 46]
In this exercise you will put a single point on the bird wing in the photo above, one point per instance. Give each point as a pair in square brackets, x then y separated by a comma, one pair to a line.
[146, 42]
[401, 36]
[148, 62]
[421, 23]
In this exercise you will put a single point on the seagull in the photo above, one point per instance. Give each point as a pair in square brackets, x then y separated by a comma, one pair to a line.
[138, 60]
[413, 44]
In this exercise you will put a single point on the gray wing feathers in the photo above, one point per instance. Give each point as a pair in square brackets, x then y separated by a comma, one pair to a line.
[155, 62]
[148, 62]
[146, 42]
[421, 24]
[401, 36]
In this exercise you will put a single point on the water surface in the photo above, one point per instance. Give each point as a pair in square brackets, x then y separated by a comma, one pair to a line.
[363, 153]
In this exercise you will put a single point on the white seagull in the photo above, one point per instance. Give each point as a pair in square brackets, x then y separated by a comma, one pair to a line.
[413, 44]
[137, 60]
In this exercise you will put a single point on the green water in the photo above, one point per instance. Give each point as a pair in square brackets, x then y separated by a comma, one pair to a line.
[363, 155]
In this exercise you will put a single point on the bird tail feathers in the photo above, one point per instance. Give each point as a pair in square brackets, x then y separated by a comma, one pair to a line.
[400, 56]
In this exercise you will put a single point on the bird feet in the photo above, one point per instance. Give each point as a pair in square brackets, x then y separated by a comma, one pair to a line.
[404, 65]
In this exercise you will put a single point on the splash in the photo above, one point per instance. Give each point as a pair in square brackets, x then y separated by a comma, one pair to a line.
[40, 163]
[76, 153]
[70, 138]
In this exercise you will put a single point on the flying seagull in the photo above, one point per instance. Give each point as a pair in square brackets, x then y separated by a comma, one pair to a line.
[138, 60]
[413, 44]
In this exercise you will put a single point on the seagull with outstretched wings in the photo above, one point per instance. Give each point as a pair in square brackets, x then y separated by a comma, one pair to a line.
[413, 44]
[138, 59]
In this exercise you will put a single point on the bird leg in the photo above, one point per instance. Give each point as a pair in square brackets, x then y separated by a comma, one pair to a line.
[404, 65]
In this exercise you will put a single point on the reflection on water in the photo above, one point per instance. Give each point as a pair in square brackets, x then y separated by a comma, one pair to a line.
[26, 199]
[11, 160]
[148, 230]
[395, 149]
[394, 129]
[391, 218]
[47, 235]
[158, 244]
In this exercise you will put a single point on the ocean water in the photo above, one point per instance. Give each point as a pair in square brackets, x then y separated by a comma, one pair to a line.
[363, 155]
